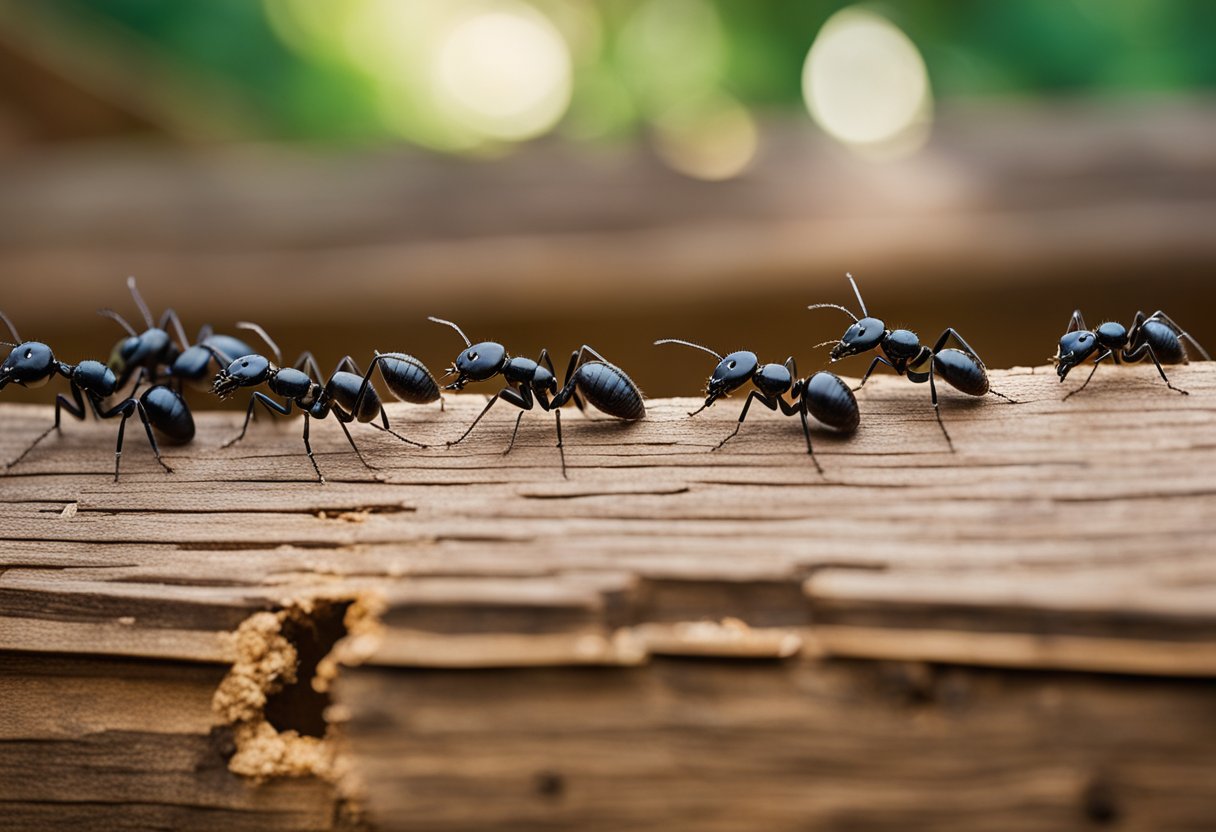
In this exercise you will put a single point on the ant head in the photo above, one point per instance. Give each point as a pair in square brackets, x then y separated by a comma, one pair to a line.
[862, 336]
[249, 371]
[477, 363]
[1074, 348]
[30, 364]
[732, 372]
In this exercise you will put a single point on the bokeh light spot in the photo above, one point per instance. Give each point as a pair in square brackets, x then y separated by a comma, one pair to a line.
[866, 85]
[503, 70]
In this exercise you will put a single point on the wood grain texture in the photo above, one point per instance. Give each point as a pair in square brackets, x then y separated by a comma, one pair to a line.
[1062, 536]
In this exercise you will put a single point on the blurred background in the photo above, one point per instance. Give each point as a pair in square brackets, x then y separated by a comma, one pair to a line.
[554, 172]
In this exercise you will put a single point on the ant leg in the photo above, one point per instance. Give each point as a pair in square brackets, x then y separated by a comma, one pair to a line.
[511, 444]
[342, 420]
[269, 403]
[125, 409]
[757, 395]
[521, 398]
[1166, 319]
[806, 431]
[122, 428]
[1138, 355]
[561, 448]
[347, 364]
[548, 362]
[308, 450]
[937, 408]
[878, 359]
[143, 417]
[384, 426]
[367, 380]
[61, 403]
[307, 363]
[1085, 383]
[170, 317]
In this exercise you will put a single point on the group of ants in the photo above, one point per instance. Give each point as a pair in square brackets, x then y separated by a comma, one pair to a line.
[167, 366]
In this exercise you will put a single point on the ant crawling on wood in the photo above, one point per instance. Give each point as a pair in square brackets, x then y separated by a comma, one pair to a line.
[824, 395]
[903, 352]
[161, 409]
[528, 382]
[1154, 336]
[347, 394]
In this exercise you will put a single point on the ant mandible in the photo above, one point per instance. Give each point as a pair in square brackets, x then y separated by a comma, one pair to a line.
[824, 395]
[1155, 336]
[903, 352]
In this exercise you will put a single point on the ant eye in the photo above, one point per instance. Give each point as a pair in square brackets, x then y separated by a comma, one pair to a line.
[472, 356]
[244, 363]
[29, 353]
[731, 365]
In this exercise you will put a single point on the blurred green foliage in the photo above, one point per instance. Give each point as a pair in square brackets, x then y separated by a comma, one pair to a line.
[971, 48]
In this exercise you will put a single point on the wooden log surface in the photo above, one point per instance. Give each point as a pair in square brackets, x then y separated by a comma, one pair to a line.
[1060, 537]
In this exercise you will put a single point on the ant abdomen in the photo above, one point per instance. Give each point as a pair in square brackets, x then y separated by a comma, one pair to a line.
[608, 388]
[168, 414]
[832, 402]
[344, 388]
[408, 379]
[961, 371]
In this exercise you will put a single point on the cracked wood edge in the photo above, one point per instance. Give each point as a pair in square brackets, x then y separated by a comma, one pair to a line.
[654, 546]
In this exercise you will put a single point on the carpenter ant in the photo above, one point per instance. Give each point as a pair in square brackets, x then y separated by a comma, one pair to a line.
[602, 384]
[1155, 335]
[904, 353]
[154, 348]
[161, 409]
[347, 394]
[824, 395]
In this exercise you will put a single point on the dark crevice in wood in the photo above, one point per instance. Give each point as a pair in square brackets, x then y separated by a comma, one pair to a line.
[300, 706]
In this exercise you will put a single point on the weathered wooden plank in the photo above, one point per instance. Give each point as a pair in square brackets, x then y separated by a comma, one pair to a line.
[1065, 518]
[713, 745]
[468, 584]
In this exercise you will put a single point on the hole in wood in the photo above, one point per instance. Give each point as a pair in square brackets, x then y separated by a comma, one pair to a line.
[299, 706]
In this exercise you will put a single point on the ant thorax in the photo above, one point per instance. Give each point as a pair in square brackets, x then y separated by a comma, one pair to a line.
[1112, 335]
[901, 345]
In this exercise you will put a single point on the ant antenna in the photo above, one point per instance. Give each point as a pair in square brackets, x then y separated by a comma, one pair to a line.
[824, 344]
[114, 316]
[688, 344]
[12, 329]
[139, 301]
[467, 342]
[833, 306]
[278, 355]
[857, 292]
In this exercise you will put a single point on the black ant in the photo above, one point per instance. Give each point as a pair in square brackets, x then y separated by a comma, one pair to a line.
[903, 352]
[154, 349]
[1155, 336]
[32, 364]
[602, 384]
[347, 394]
[824, 395]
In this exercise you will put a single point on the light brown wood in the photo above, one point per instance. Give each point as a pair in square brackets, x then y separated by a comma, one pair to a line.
[1060, 537]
